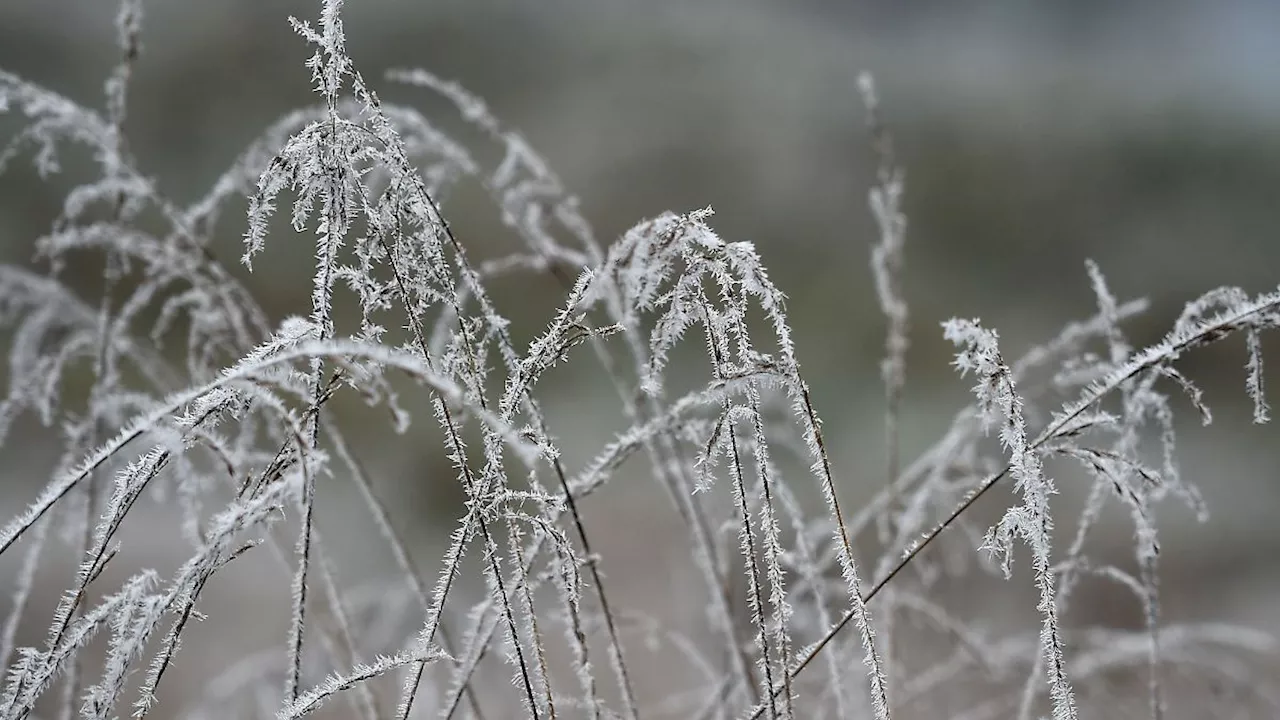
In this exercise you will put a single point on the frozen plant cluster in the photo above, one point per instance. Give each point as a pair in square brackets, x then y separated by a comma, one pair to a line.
[170, 386]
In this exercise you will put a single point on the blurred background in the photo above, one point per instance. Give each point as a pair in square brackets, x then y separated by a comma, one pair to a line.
[1034, 135]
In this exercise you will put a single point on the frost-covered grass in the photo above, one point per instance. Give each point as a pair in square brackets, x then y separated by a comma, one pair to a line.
[233, 436]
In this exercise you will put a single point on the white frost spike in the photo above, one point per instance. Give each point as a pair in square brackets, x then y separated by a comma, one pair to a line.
[1031, 521]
